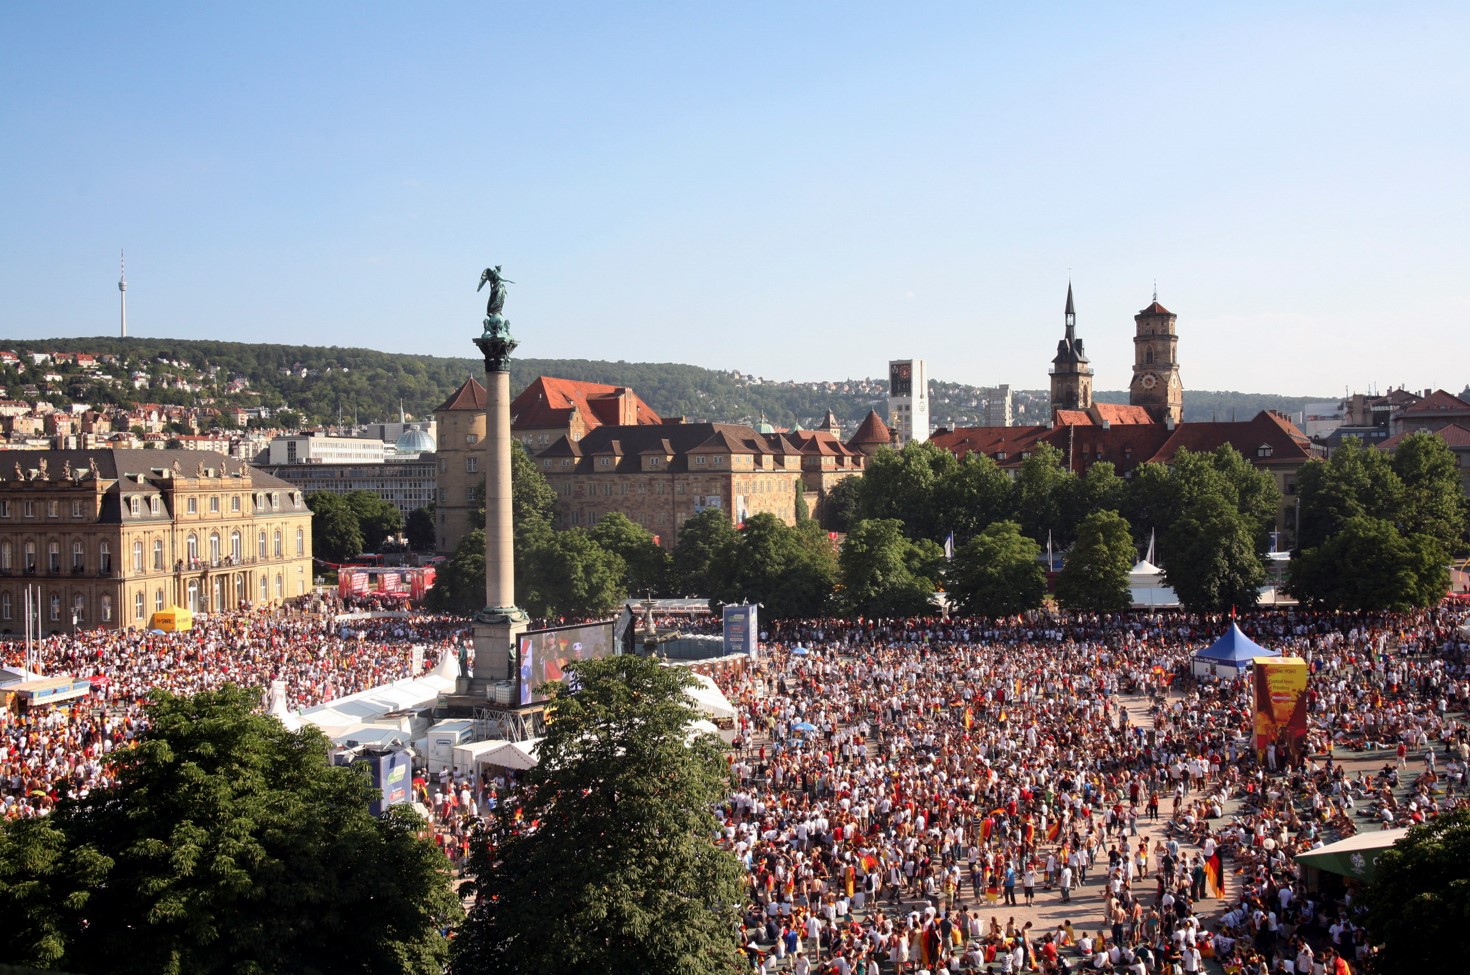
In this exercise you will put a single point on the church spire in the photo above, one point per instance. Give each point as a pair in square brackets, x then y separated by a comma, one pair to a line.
[1071, 315]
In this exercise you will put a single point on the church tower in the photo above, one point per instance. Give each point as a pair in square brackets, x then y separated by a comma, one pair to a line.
[1156, 385]
[1071, 373]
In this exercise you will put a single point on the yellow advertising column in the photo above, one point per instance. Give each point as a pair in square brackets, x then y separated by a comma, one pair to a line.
[1280, 686]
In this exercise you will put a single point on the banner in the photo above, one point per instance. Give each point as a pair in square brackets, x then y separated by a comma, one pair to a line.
[1280, 686]
[741, 626]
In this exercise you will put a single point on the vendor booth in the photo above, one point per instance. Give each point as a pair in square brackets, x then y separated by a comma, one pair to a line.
[171, 620]
[1353, 857]
[1230, 655]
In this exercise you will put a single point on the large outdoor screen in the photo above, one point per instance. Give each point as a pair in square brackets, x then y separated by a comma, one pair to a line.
[546, 654]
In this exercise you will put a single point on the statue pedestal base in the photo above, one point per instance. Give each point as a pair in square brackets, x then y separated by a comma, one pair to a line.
[495, 643]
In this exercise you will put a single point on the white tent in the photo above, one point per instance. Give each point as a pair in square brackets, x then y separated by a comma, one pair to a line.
[374, 704]
[518, 755]
[1146, 581]
[708, 697]
[474, 753]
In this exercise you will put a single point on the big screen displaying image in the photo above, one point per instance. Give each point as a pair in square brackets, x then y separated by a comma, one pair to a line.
[546, 654]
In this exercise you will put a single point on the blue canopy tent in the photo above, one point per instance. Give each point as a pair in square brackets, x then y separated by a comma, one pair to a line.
[1230, 655]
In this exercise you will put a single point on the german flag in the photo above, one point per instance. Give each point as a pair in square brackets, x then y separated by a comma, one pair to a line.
[1054, 830]
[969, 719]
[1215, 876]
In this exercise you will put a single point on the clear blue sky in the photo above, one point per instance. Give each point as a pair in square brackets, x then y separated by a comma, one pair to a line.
[799, 190]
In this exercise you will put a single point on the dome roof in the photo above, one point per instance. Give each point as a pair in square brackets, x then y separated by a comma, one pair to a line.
[414, 441]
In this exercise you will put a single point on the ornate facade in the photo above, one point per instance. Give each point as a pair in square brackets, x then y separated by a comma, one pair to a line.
[111, 536]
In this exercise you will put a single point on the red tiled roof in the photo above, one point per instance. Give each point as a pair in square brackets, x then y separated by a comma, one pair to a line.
[1156, 309]
[872, 430]
[998, 443]
[1453, 434]
[1266, 429]
[549, 402]
[1436, 402]
[1123, 414]
[470, 396]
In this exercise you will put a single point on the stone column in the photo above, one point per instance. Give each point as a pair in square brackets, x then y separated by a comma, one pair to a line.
[500, 623]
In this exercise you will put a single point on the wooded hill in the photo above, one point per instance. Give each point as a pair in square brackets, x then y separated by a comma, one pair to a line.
[323, 383]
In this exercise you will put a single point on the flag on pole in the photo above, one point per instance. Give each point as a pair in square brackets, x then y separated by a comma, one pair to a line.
[1049, 562]
[949, 547]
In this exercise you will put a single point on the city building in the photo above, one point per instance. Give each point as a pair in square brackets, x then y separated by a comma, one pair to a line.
[319, 448]
[908, 400]
[1000, 406]
[408, 483]
[110, 536]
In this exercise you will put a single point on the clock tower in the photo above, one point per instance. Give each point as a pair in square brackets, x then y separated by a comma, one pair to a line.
[1071, 372]
[1156, 385]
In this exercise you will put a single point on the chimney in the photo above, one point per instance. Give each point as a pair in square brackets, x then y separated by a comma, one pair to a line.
[1169, 422]
[1107, 424]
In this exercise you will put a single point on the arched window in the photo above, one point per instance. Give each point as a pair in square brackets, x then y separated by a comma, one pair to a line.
[279, 550]
[280, 586]
[1148, 357]
[260, 552]
[214, 548]
[192, 547]
[139, 607]
[265, 592]
[300, 541]
[137, 556]
[235, 550]
[158, 601]
[158, 553]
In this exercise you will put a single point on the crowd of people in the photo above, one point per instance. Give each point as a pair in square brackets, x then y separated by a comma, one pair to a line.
[900, 787]
[900, 781]
[49, 752]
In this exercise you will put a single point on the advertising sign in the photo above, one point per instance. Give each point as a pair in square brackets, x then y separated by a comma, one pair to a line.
[391, 777]
[740, 630]
[546, 654]
[1280, 686]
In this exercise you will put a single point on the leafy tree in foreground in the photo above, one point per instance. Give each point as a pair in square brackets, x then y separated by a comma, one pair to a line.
[613, 843]
[1095, 576]
[227, 844]
[572, 575]
[646, 561]
[1419, 900]
[996, 573]
[335, 533]
[791, 571]
[377, 517]
[701, 539]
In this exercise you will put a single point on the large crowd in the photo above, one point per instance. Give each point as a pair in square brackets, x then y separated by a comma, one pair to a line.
[49, 752]
[899, 786]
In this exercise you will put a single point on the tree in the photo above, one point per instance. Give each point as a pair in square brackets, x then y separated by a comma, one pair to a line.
[1356, 481]
[1100, 489]
[532, 497]
[790, 571]
[459, 585]
[620, 853]
[418, 528]
[903, 484]
[843, 506]
[377, 517]
[1419, 900]
[336, 534]
[572, 575]
[1094, 578]
[996, 573]
[226, 844]
[701, 539]
[975, 494]
[647, 564]
[1433, 502]
[1036, 495]
[878, 576]
[1369, 565]
[1213, 557]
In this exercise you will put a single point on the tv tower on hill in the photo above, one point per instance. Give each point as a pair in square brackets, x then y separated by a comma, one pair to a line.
[122, 287]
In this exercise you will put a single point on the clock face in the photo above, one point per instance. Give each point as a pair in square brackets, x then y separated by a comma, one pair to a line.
[1149, 380]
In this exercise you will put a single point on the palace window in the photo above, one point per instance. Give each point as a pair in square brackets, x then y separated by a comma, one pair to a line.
[139, 607]
[105, 607]
[213, 504]
[472, 465]
[153, 504]
[214, 548]
[191, 549]
[79, 608]
[158, 601]
[235, 550]
[29, 509]
[300, 541]
[279, 550]
[158, 554]
[53, 509]
[76, 509]
[104, 558]
[30, 556]
[4, 509]
[76, 556]
[265, 592]
[5, 608]
[260, 550]
[53, 557]
[7, 557]
[56, 608]
[192, 506]
[235, 503]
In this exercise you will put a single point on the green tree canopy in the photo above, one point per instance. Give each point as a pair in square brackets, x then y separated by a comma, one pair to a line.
[904, 484]
[1094, 577]
[459, 585]
[1419, 900]
[701, 540]
[789, 571]
[843, 506]
[419, 529]
[227, 844]
[646, 563]
[1433, 502]
[1369, 565]
[571, 575]
[621, 856]
[878, 571]
[336, 534]
[996, 573]
[975, 494]
[1356, 481]
[377, 517]
[1213, 560]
